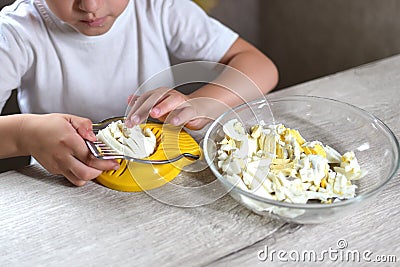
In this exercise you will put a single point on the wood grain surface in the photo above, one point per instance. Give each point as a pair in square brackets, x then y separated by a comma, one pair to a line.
[44, 221]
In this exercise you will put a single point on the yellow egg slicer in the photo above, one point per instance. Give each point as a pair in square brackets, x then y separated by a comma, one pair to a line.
[171, 142]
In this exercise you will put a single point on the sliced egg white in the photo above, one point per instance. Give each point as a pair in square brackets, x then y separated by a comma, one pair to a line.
[133, 142]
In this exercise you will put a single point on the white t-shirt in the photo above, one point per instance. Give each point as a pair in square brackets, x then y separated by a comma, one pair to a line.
[57, 69]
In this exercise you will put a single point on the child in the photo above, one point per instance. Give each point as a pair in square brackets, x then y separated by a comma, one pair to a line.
[84, 57]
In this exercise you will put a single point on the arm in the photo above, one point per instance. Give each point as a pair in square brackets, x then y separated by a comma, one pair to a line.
[195, 110]
[56, 141]
[247, 59]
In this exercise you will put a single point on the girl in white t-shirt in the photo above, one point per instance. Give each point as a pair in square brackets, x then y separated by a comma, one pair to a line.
[77, 61]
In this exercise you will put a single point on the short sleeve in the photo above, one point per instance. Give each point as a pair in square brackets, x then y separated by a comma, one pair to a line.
[191, 34]
[13, 61]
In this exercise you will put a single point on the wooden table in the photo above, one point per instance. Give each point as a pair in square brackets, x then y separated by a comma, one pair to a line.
[46, 221]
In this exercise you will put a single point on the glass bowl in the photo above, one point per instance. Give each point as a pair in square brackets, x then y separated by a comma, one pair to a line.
[337, 124]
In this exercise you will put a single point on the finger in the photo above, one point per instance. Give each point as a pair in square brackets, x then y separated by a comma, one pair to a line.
[83, 172]
[101, 164]
[141, 108]
[83, 155]
[168, 104]
[83, 126]
[69, 170]
[134, 106]
[77, 170]
[197, 124]
[87, 134]
[181, 116]
[74, 179]
[79, 173]
[132, 99]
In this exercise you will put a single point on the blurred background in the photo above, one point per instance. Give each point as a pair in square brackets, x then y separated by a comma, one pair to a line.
[306, 39]
[312, 38]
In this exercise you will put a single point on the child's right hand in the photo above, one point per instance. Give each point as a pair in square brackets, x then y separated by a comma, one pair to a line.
[56, 142]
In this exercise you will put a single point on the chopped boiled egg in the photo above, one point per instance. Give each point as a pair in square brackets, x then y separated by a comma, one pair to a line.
[134, 142]
[276, 162]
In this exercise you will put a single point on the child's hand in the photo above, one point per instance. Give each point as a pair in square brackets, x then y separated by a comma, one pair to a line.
[169, 106]
[56, 142]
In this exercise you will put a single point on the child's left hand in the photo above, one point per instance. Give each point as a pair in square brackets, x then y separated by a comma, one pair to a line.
[167, 105]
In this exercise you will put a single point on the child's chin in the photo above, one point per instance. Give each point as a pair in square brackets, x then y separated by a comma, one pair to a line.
[95, 31]
[85, 29]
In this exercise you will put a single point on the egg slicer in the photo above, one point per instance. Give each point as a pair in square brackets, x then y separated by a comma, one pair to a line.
[175, 149]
